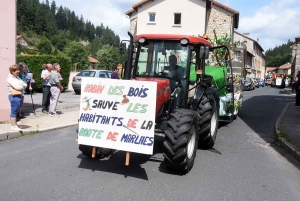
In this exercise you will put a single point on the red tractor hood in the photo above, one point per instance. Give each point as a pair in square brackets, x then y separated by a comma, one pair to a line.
[163, 90]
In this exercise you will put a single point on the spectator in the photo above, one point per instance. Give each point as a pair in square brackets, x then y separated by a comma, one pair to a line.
[22, 76]
[297, 86]
[114, 74]
[44, 67]
[294, 84]
[55, 89]
[46, 73]
[16, 89]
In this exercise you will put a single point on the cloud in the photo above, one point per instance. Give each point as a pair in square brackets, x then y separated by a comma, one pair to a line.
[274, 23]
[110, 13]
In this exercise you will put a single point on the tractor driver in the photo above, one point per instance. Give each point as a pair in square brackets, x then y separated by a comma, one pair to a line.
[174, 71]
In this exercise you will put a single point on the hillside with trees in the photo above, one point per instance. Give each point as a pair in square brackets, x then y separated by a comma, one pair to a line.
[58, 31]
[279, 55]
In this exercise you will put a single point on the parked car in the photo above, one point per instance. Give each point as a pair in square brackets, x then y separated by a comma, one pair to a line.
[261, 82]
[256, 80]
[76, 82]
[249, 84]
[30, 79]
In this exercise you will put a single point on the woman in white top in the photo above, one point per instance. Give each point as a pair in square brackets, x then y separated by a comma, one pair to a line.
[16, 88]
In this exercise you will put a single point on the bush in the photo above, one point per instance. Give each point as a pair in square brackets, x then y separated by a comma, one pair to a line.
[35, 64]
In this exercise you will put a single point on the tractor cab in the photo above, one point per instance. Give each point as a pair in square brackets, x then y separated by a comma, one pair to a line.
[180, 64]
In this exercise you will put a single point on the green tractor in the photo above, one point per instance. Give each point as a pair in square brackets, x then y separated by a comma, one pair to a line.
[195, 90]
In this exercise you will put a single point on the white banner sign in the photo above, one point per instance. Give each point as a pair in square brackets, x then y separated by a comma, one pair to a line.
[117, 114]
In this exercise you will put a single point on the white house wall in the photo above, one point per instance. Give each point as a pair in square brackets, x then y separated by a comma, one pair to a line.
[192, 17]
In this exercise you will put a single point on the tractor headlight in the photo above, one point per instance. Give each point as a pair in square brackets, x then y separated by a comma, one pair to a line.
[184, 41]
[142, 40]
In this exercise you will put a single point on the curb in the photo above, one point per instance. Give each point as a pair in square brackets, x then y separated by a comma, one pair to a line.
[292, 149]
[16, 134]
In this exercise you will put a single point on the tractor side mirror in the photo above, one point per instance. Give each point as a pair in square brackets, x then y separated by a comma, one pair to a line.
[122, 48]
[204, 52]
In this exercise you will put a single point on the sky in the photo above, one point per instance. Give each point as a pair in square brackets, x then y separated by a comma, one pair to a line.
[273, 22]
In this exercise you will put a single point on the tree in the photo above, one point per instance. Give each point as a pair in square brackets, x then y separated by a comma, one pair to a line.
[108, 57]
[78, 54]
[53, 8]
[94, 47]
[45, 46]
[59, 41]
[61, 19]
[279, 55]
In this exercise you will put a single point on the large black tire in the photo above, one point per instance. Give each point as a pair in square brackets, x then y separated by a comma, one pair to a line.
[208, 123]
[100, 152]
[181, 140]
[77, 91]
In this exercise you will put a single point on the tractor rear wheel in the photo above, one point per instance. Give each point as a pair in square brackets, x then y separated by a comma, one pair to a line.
[208, 123]
[181, 140]
[100, 152]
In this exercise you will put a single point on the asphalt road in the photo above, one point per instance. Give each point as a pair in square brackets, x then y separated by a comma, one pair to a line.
[245, 164]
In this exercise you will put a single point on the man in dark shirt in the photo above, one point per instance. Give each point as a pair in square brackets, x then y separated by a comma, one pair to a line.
[114, 74]
[173, 70]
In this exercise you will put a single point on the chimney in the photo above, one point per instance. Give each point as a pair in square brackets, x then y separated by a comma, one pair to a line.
[257, 40]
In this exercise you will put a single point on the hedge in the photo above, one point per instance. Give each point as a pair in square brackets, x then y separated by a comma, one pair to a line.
[35, 65]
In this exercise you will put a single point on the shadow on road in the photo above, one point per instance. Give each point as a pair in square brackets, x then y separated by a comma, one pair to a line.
[116, 164]
[260, 113]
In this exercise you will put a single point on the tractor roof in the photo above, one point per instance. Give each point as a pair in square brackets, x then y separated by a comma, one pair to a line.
[192, 39]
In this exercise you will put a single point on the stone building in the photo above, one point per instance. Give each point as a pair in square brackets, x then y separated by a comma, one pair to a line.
[295, 57]
[222, 19]
[193, 17]
[255, 64]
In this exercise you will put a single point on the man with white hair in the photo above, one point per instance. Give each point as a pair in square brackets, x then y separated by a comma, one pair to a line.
[55, 89]
[46, 87]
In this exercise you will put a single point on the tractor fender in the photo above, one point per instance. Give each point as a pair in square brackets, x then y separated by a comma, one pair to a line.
[211, 93]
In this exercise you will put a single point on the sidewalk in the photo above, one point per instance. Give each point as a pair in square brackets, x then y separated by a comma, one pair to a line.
[68, 108]
[288, 127]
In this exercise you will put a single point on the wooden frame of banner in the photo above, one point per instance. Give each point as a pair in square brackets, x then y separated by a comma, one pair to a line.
[127, 158]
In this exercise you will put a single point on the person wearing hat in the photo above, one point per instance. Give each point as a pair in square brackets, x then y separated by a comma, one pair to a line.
[297, 85]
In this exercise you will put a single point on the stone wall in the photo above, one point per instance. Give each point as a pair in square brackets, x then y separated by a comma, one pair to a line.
[297, 64]
[221, 20]
[133, 23]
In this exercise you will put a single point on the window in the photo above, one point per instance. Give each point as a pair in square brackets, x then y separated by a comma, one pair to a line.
[154, 58]
[237, 56]
[177, 18]
[151, 17]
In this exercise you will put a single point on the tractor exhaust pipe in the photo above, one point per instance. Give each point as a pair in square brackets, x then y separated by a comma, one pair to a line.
[127, 72]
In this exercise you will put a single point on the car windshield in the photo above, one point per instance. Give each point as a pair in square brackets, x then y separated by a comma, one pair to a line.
[87, 73]
[154, 58]
[248, 79]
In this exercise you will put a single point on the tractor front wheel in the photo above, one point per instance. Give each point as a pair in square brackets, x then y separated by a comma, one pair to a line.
[181, 140]
[208, 123]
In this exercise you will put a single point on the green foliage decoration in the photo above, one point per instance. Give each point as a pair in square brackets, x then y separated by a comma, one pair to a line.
[221, 55]
[35, 64]
[230, 108]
